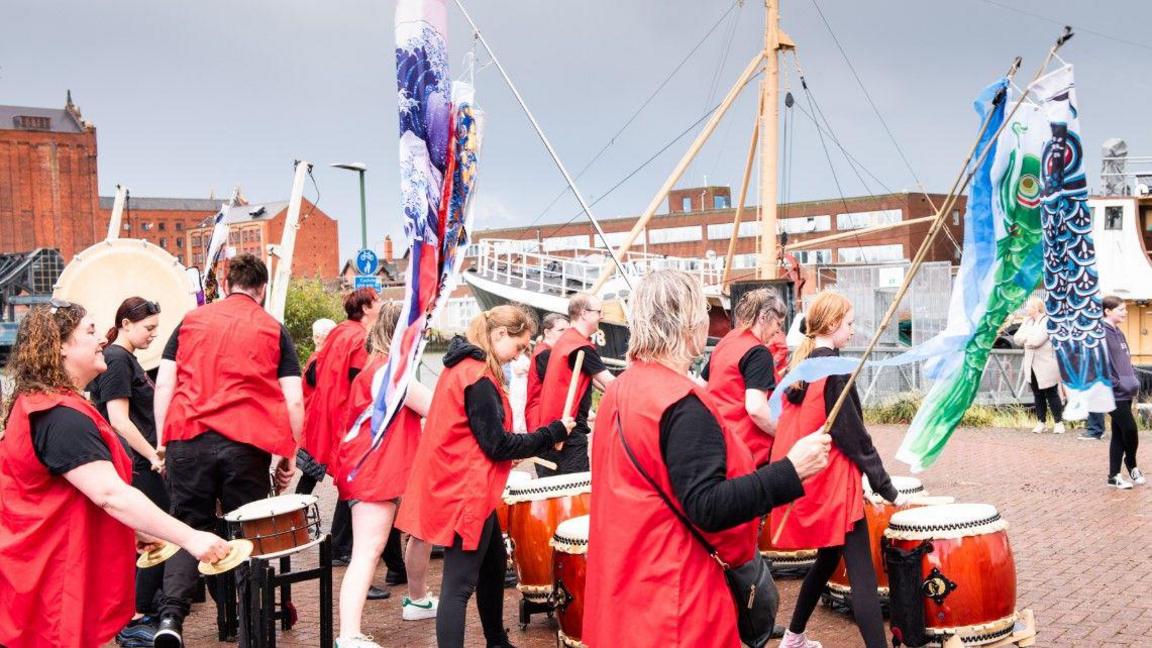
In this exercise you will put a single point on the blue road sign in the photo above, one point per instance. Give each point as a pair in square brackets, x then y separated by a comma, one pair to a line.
[367, 281]
[367, 262]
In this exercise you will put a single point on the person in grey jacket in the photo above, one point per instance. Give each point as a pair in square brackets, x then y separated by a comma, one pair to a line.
[1125, 385]
[1040, 366]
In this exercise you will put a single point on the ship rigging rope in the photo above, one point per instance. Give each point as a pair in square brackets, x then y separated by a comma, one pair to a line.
[872, 103]
[636, 113]
[1079, 29]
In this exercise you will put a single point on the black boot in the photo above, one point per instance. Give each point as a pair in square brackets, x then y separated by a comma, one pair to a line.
[170, 633]
[378, 594]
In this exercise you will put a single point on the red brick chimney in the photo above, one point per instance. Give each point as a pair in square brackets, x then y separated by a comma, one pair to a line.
[387, 249]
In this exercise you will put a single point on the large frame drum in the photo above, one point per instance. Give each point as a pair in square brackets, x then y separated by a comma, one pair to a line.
[277, 526]
[786, 563]
[107, 273]
[967, 575]
[537, 509]
[569, 573]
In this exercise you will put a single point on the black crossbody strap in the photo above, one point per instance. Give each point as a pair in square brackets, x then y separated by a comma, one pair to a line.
[668, 502]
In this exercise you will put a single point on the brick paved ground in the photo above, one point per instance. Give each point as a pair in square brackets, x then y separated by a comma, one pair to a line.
[1081, 549]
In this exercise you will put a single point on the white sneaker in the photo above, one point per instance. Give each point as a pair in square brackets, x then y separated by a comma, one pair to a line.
[1137, 476]
[792, 640]
[1039, 429]
[1118, 482]
[1058, 428]
[420, 609]
[357, 641]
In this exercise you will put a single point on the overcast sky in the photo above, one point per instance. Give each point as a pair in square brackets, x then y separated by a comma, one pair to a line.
[194, 97]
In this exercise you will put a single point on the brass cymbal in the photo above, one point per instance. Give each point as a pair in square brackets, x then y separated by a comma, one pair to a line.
[238, 552]
[156, 556]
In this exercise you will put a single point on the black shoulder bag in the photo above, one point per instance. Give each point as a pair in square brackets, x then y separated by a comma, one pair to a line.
[753, 590]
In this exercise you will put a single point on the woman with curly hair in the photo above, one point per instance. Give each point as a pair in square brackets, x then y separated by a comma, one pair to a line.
[67, 512]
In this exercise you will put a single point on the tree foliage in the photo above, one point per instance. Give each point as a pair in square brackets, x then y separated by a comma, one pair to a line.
[308, 300]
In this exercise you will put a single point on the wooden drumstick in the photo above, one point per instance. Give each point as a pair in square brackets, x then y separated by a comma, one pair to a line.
[543, 462]
[783, 521]
[572, 384]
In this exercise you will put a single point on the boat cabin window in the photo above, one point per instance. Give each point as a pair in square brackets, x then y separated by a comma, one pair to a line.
[720, 202]
[1113, 218]
[686, 203]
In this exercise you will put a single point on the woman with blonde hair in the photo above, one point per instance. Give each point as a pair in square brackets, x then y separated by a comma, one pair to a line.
[67, 511]
[661, 442]
[461, 468]
[372, 481]
[1040, 366]
[830, 516]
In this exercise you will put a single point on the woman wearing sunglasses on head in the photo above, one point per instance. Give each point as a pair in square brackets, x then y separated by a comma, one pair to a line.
[67, 512]
[123, 395]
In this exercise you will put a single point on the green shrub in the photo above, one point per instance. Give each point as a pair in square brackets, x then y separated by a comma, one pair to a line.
[307, 302]
[900, 409]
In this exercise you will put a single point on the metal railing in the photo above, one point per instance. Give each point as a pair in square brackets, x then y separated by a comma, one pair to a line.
[526, 265]
[1002, 382]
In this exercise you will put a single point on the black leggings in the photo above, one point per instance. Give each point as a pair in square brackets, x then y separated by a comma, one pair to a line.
[150, 581]
[857, 554]
[1125, 438]
[1047, 399]
[480, 571]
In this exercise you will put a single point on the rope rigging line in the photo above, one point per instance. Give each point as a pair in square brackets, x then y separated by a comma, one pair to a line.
[636, 113]
[632, 173]
[1079, 30]
[875, 109]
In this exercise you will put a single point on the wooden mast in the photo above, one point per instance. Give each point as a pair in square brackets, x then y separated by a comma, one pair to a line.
[775, 42]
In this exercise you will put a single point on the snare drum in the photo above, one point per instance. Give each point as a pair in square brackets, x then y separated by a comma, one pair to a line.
[569, 571]
[877, 513]
[277, 525]
[966, 576]
[537, 508]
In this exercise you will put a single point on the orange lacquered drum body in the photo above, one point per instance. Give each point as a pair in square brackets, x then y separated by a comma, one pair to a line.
[877, 512]
[569, 571]
[537, 509]
[967, 573]
[276, 525]
[504, 512]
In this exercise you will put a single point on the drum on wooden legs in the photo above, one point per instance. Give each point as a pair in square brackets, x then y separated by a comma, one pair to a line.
[786, 563]
[877, 513]
[952, 573]
[569, 571]
[537, 509]
[277, 526]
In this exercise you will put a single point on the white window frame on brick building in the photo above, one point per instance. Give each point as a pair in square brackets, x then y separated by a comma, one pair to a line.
[860, 220]
[871, 253]
[674, 234]
[615, 239]
[805, 224]
[553, 243]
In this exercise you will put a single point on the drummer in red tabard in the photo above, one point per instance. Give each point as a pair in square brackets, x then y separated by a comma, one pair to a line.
[372, 480]
[741, 373]
[830, 516]
[651, 583]
[584, 314]
[320, 330]
[229, 408]
[553, 325]
[67, 512]
[462, 466]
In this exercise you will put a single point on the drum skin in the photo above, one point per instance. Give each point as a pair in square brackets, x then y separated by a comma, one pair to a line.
[531, 527]
[107, 273]
[877, 513]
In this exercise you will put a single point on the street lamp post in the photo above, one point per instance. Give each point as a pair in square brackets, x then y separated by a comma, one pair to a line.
[360, 168]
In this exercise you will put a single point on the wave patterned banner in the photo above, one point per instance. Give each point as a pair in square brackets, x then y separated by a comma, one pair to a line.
[1074, 305]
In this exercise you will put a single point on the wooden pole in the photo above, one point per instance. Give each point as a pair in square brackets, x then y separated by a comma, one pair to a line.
[681, 167]
[769, 141]
[572, 385]
[801, 245]
[958, 186]
[740, 205]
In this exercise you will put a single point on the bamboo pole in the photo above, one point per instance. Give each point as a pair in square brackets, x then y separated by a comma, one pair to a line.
[958, 186]
[740, 205]
[681, 167]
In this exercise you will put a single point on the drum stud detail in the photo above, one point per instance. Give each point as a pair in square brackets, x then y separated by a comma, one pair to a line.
[937, 586]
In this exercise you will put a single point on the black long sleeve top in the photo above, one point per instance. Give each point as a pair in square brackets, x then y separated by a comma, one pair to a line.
[693, 447]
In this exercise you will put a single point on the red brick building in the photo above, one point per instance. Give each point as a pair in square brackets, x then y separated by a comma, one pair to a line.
[700, 221]
[252, 227]
[161, 221]
[48, 191]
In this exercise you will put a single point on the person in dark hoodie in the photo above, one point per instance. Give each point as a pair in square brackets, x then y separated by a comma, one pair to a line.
[830, 515]
[1125, 385]
[462, 465]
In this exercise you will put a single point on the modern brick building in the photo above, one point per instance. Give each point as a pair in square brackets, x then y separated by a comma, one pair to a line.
[252, 227]
[48, 191]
